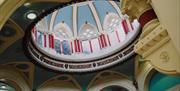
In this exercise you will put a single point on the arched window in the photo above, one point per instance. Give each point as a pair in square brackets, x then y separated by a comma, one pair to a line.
[89, 36]
[62, 31]
[62, 36]
[113, 28]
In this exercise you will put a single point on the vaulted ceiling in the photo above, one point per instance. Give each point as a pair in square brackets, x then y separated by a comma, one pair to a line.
[12, 49]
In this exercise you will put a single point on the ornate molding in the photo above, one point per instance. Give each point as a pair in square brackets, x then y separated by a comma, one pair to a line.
[152, 41]
[164, 56]
[134, 8]
[157, 47]
[60, 65]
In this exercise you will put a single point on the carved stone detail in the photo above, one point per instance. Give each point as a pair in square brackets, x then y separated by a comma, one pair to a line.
[164, 56]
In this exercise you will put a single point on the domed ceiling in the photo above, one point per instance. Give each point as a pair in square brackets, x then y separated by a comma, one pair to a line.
[83, 37]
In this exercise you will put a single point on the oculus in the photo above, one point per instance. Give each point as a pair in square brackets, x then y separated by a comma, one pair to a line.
[83, 37]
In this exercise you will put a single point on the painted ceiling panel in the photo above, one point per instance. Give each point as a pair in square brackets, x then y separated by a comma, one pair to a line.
[85, 14]
[64, 14]
[102, 7]
[48, 20]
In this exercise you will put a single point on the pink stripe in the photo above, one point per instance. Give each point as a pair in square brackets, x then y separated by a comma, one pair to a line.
[62, 51]
[33, 30]
[99, 43]
[49, 41]
[104, 39]
[75, 45]
[125, 26]
[81, 47]
[60, 48]
[109, 40]
[44, 40]
[52, 39]
[91, 46]
[78, 46]
[117, 35]
[102, 42]
[132, 26]
[35, 35]
[71, 47]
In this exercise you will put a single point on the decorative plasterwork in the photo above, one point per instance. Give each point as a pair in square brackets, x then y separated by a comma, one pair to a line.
[134, 8]
[157, 47]
[155, 44]
[146, 45]
[169, 18]
[88, 66]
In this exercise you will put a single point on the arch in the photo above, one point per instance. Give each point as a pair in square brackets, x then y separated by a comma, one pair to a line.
[113, 28]
[88, 30]
[10, 74]
[162, 82]
[114, 88]
[42, 25]
[110, 20]
[110, 78]
[144, 76]
[62, 30]
[61, 82]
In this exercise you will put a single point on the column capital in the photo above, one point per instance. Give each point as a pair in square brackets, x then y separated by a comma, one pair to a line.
[135, 8]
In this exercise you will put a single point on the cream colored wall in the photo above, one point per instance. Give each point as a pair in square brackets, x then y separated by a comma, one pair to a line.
[165, 60]
[1, 2]
[168, 12]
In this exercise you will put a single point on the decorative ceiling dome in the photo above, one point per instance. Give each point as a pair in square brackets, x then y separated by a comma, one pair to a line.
[83, 37]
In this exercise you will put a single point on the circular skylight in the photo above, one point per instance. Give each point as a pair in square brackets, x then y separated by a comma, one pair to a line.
[83, 33]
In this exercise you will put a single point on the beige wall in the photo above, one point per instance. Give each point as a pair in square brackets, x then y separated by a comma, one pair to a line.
[168, 12]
